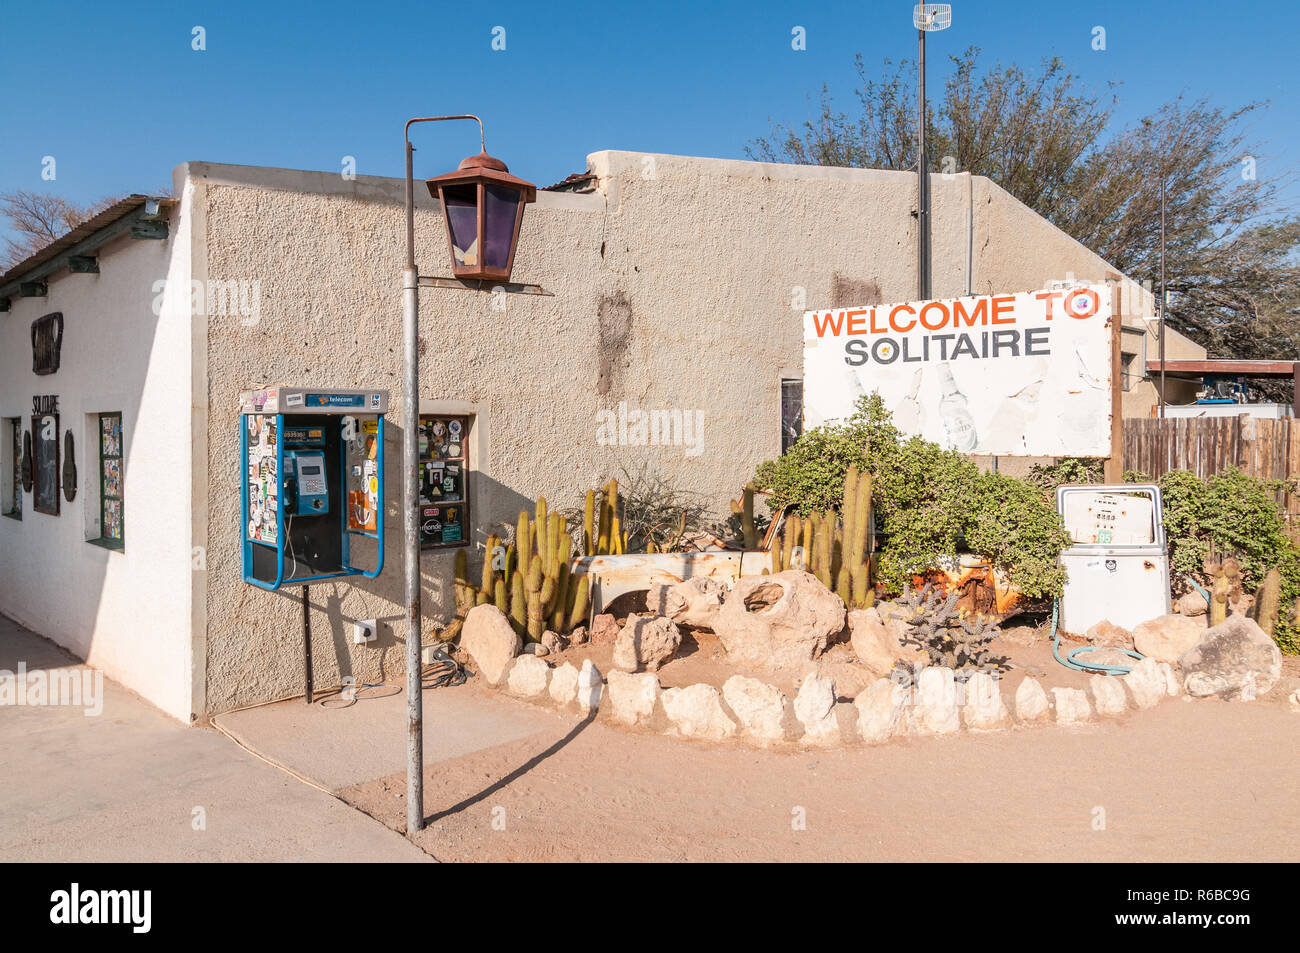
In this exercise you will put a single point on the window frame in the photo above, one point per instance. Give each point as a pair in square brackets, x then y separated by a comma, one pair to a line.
[103, 539]
[790, 436]
[13, 508]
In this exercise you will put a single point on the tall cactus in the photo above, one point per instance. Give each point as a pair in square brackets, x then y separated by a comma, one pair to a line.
[518, 604]
[1268, 601]
[589, 523]
[1219, 597]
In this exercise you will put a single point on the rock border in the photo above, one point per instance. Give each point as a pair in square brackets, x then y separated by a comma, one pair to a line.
[752, 712]
[934, 701]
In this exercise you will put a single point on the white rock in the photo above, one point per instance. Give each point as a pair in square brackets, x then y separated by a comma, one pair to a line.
[1193, 604]
[696, 712]
[875, 644]
[488, 639]
[1031, 701]
[759, 707]
[536, 648]
[564, 684]
[630, 699]
[643, 644]
[590, 686]
[781, 619]
[1167, 637]
[1173, 686]
[984, 709]
[1235, 660]
[528, 676]
[814, 706]
[1294, 700]
[1071, 705]
[934, 704]
[1107, 695]
[882, 711]
[694, 602]
[1146, 683]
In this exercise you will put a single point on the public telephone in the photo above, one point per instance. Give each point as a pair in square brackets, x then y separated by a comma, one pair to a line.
[304, 483]
[313, 481]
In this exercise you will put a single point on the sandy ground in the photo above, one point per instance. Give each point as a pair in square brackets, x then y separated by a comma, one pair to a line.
[1189, 780]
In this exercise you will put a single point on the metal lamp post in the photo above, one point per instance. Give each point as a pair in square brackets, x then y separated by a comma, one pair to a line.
[483, 209]
[927, 18]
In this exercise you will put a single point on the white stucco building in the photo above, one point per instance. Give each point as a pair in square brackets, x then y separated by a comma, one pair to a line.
[681, 290]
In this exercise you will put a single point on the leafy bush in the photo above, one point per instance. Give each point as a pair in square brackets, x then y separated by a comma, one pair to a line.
[1233, 514]
[927, 500]
[1020, 532]
[1066, 471]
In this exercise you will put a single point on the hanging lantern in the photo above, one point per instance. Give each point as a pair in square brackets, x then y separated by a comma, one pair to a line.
[483, 208]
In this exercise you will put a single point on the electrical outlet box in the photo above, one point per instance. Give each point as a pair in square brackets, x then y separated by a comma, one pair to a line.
[426, 652]
[364, 631]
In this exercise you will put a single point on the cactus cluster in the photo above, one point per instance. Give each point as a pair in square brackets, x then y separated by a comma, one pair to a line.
[950, 637]
[602, 526]
[1225, 583]
[531, 580]
[833, 546]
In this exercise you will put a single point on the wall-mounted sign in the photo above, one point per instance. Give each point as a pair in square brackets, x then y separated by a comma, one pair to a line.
[47, 343]
[69, 468]
[1024, 374]
[45, 454]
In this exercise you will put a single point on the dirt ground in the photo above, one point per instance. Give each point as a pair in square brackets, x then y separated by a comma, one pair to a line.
[1188, 780]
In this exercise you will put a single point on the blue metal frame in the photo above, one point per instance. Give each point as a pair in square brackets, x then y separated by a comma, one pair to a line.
[280, 532]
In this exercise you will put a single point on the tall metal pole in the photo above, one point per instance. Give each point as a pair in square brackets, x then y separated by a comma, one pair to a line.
[411, 491]
[922, 186]
[410, 514]
[1163, 297]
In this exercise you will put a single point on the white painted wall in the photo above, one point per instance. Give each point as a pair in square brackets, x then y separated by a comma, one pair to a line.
[127, 612]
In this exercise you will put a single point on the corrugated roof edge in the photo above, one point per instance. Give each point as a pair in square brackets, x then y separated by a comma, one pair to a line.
[113, 213]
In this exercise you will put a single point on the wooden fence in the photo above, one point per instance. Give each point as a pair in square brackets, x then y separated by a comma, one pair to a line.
[1269, 449]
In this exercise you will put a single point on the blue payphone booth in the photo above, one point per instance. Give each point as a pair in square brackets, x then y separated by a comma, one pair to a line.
[313, 479]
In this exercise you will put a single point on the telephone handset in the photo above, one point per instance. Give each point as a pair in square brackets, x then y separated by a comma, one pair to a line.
[306, 492]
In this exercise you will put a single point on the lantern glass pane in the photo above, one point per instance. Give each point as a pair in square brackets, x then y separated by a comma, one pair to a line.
[500, 205]
[462, 222]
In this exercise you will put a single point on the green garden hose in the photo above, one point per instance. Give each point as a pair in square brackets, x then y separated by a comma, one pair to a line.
[1073, 662]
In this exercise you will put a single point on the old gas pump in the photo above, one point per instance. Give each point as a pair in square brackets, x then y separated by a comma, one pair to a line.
[1117, 566]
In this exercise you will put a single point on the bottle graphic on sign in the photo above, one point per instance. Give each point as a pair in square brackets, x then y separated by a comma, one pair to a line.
[954, 411]
[907, 417]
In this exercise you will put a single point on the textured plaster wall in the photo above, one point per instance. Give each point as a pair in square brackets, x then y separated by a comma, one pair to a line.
[679, 284]
[128, 612]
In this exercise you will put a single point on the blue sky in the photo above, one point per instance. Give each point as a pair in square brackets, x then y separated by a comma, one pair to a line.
[115, 93]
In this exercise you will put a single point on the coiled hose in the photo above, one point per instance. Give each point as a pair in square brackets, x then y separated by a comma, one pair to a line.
[1073, 662]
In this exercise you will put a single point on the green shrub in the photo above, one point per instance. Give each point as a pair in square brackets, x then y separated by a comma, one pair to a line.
[1066, 471]
[1233, 514]
[1020, 532]
[927, 500]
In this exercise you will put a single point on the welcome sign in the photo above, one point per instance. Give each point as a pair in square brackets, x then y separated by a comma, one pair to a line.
[1024, 374]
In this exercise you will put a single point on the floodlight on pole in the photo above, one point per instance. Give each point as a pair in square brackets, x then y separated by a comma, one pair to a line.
[927, 18]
